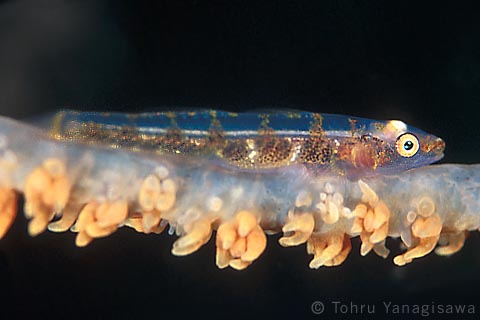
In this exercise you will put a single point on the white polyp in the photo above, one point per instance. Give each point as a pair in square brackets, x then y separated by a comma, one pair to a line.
[304, 199]
[329, 188]
[323, 196]
[9, 157]
[3, 141]
[162, 172]
[337, 198]
[214, 204]
[347, 213]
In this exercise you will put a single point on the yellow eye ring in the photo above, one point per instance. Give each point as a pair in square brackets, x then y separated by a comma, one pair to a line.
[407, 145]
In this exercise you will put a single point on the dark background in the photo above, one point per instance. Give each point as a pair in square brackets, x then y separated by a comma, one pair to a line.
[419, 62]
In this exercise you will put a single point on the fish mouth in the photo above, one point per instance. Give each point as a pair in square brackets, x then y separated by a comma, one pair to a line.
[435, 148]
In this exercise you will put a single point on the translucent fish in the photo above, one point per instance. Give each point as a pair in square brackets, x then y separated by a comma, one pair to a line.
[343, 145]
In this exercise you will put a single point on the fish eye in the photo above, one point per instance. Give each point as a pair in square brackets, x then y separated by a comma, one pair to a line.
[407, 145]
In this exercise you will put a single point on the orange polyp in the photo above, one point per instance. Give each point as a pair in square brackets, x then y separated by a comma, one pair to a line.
[196, 235]
[167, 197]
[8, 209]
[239, 247]
[366, 246]
[135, 223]
[246, 222]
[382, 214]
[61, 188]
[151, 221]
[149, 192]
[85, 218]
[96, 231]
[360, 210]
[301, 226]
[357, 226]
[156, 193]
[426, 231]
[47, 191]
[427, 227]
[326, 248]
[82, 239]
[455, 243]
[424, 247]
[381, 250]
[256, 244]
[239, 264]
[239, 241]
[372, 221]
[39, 223]
[154, 197]
[37, 181]
[69, 215]
[340, 258]
[227, 233]
[111, 214]
[379, 234]
[99, 220]
[368, 221]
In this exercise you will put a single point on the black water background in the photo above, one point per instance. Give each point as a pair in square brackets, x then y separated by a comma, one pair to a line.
[410, 61]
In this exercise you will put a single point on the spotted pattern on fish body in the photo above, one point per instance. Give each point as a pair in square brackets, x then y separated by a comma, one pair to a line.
[255, 141]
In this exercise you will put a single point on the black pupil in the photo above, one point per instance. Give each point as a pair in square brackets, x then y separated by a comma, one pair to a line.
[408, 145]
